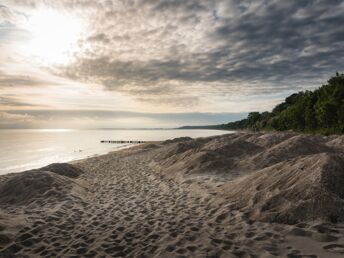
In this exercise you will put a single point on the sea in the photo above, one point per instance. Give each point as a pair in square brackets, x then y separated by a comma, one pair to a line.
[22, 150]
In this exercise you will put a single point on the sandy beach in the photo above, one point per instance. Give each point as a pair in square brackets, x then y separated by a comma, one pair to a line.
[235, 195]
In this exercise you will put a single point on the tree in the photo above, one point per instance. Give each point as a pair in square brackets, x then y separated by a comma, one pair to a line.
[326, 113]
[321, 110]
[253, 118]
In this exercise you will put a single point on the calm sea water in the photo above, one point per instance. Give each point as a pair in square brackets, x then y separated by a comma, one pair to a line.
[21, 150]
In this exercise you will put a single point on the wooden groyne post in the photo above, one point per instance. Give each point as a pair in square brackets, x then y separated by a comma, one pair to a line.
[122, 141]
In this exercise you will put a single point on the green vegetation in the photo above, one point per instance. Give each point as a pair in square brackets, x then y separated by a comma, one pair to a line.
[318, 111]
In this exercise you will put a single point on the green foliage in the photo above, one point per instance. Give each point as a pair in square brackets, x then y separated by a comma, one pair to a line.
[320, 111]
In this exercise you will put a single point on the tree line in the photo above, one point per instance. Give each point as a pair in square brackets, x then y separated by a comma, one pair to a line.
[318, 111]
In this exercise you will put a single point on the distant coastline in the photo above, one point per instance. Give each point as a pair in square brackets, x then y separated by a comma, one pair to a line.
[319, 111]
[208, 127]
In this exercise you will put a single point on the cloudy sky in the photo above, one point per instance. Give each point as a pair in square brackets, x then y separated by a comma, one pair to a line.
[163, 63]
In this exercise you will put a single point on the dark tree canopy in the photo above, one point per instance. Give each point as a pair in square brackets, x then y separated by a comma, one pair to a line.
[320, 111]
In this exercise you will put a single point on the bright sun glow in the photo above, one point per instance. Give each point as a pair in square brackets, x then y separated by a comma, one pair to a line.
[55, 36]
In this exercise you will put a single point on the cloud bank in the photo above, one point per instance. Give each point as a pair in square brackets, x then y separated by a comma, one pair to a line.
[171, 47]
[98, 119]
[188, 55]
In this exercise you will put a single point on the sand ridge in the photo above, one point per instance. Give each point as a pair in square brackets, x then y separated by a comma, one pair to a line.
[139, 203]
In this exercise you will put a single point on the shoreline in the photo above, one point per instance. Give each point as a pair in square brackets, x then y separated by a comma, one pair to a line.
[70, 161]
[235, 195]
[31, 149]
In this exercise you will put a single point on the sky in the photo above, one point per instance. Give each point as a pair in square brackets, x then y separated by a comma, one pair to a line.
[163, 63]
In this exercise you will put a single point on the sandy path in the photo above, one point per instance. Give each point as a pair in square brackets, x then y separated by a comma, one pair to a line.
[129, 212]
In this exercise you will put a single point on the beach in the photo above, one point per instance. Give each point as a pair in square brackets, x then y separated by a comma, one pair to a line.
[236, 195]
[26, 149]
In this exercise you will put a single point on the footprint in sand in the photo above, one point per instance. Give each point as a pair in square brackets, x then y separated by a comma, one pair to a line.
[335, 248]
[4, 240]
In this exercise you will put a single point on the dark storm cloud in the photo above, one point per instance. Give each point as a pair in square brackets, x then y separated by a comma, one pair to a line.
[179, 5]
[121, 73]
[305, 37]
[276, 43]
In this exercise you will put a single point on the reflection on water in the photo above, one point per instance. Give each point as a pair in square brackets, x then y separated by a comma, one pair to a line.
[27, 149]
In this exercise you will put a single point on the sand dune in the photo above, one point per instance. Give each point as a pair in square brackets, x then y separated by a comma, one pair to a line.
[301, 189]
[238, 195]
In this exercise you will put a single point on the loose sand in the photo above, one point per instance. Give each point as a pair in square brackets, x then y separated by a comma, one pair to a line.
[239, 195]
